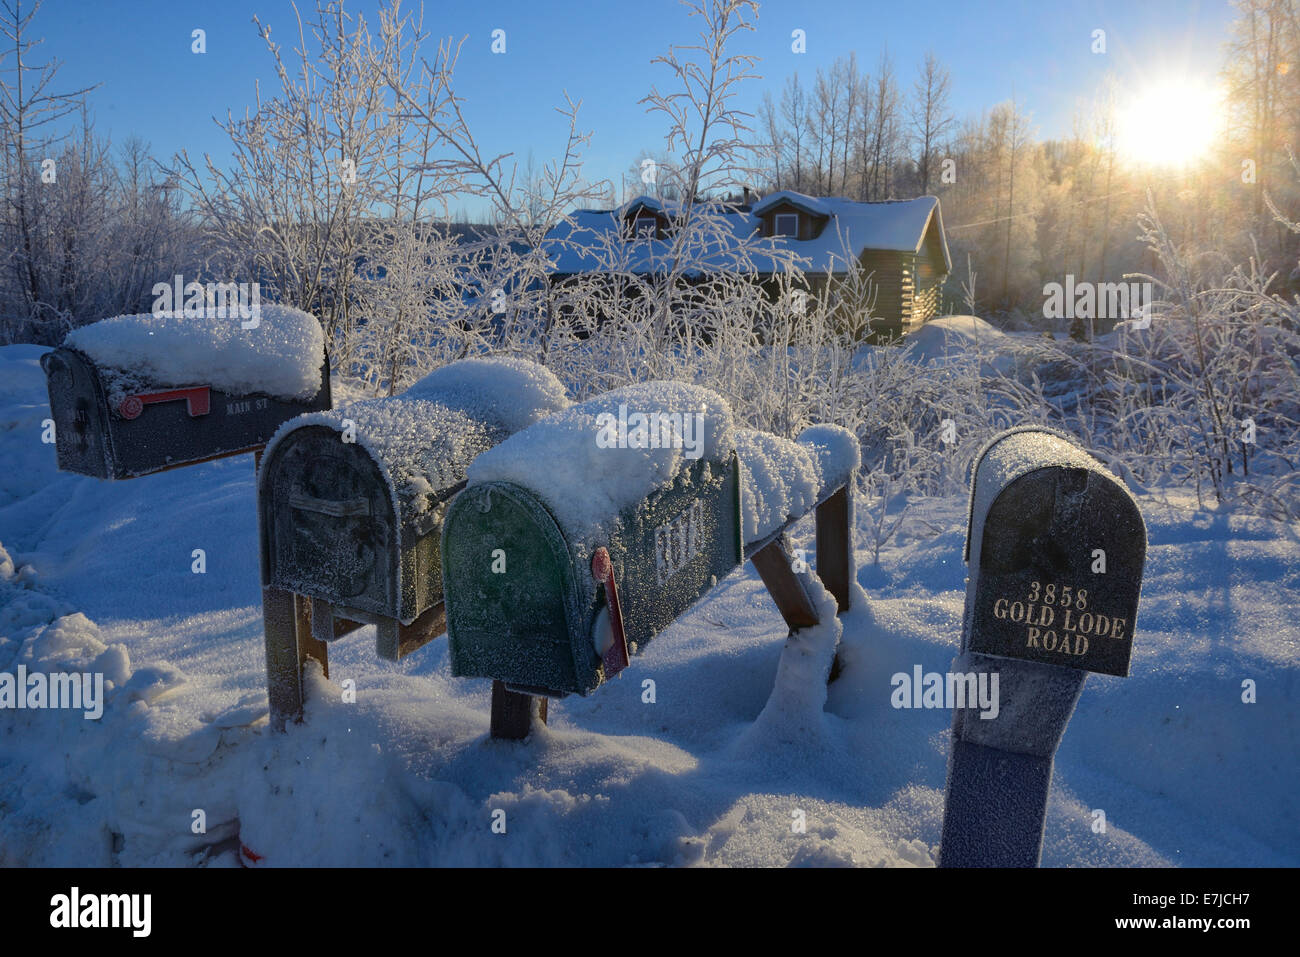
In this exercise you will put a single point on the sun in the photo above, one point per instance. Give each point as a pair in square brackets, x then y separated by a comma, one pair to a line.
[1170, 122]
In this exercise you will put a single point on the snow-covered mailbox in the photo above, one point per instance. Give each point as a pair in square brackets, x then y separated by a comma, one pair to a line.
[1056, 547]
[139, 394]
[352, 503]
[580, 538]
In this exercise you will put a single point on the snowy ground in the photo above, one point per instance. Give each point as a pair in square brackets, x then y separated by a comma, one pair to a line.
[711, 773]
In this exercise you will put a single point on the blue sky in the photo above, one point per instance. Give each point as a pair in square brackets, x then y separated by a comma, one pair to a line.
[151, 84]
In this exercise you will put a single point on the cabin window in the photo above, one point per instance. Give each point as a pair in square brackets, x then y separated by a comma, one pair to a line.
[785, 224]
[646, 227]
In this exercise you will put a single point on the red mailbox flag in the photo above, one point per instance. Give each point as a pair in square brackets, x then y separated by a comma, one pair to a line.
[198, 401]
[615, 658]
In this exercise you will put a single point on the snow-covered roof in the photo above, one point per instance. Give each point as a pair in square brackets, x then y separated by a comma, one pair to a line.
[851, 228]
[648, 202]
[815, 206]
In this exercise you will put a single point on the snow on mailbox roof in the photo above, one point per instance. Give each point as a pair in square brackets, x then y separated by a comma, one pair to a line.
[282, 356]
[1016, 452]
[424, 439]
[850, 229]
[781, 480]
[514, 392]
[422, 445]
[558, 457]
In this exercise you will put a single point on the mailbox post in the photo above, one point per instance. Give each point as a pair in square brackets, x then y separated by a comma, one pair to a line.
[351, 505]
[1056, 547]
[582, 579]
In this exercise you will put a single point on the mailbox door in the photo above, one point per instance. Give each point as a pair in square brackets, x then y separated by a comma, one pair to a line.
[1042, 595]
[328, 518]
[510, 590]
[81, 433]
[528, 625]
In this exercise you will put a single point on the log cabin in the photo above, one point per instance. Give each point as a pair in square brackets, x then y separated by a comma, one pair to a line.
[881, 264]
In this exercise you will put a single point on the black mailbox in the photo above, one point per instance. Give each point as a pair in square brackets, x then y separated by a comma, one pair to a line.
[351, 501]
[135, 395]
[1056, 547]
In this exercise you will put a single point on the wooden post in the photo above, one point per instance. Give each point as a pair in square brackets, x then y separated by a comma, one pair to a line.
[394, 641]
[289, 643]
[512, 712]
[309, 646]
[835, 547]
[283, 680]
[773, 564]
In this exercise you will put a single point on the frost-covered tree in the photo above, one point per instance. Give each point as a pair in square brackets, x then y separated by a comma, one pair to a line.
[329, 179]
[86, 230]
[930, 116]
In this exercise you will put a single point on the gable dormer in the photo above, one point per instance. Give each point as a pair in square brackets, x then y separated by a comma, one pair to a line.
[644, 218]
[791, 214]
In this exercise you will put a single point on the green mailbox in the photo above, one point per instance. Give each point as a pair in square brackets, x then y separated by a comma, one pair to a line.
[579, 539]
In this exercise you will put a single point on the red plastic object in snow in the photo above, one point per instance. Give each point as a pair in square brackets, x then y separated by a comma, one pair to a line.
[198, 401]
[615, 658]
[248, 858]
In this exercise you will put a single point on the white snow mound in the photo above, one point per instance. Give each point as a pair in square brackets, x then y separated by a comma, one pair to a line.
[601, 457]
[781, 480]
[949, 337]
[512, 392]
[281, 357]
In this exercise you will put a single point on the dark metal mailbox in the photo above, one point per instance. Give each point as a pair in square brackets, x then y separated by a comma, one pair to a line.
[116, 423]
[1056, 548]
[542, 617]
[537, 630]
[351, 504]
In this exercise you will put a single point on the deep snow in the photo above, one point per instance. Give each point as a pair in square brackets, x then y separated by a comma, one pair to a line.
[741, 735]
